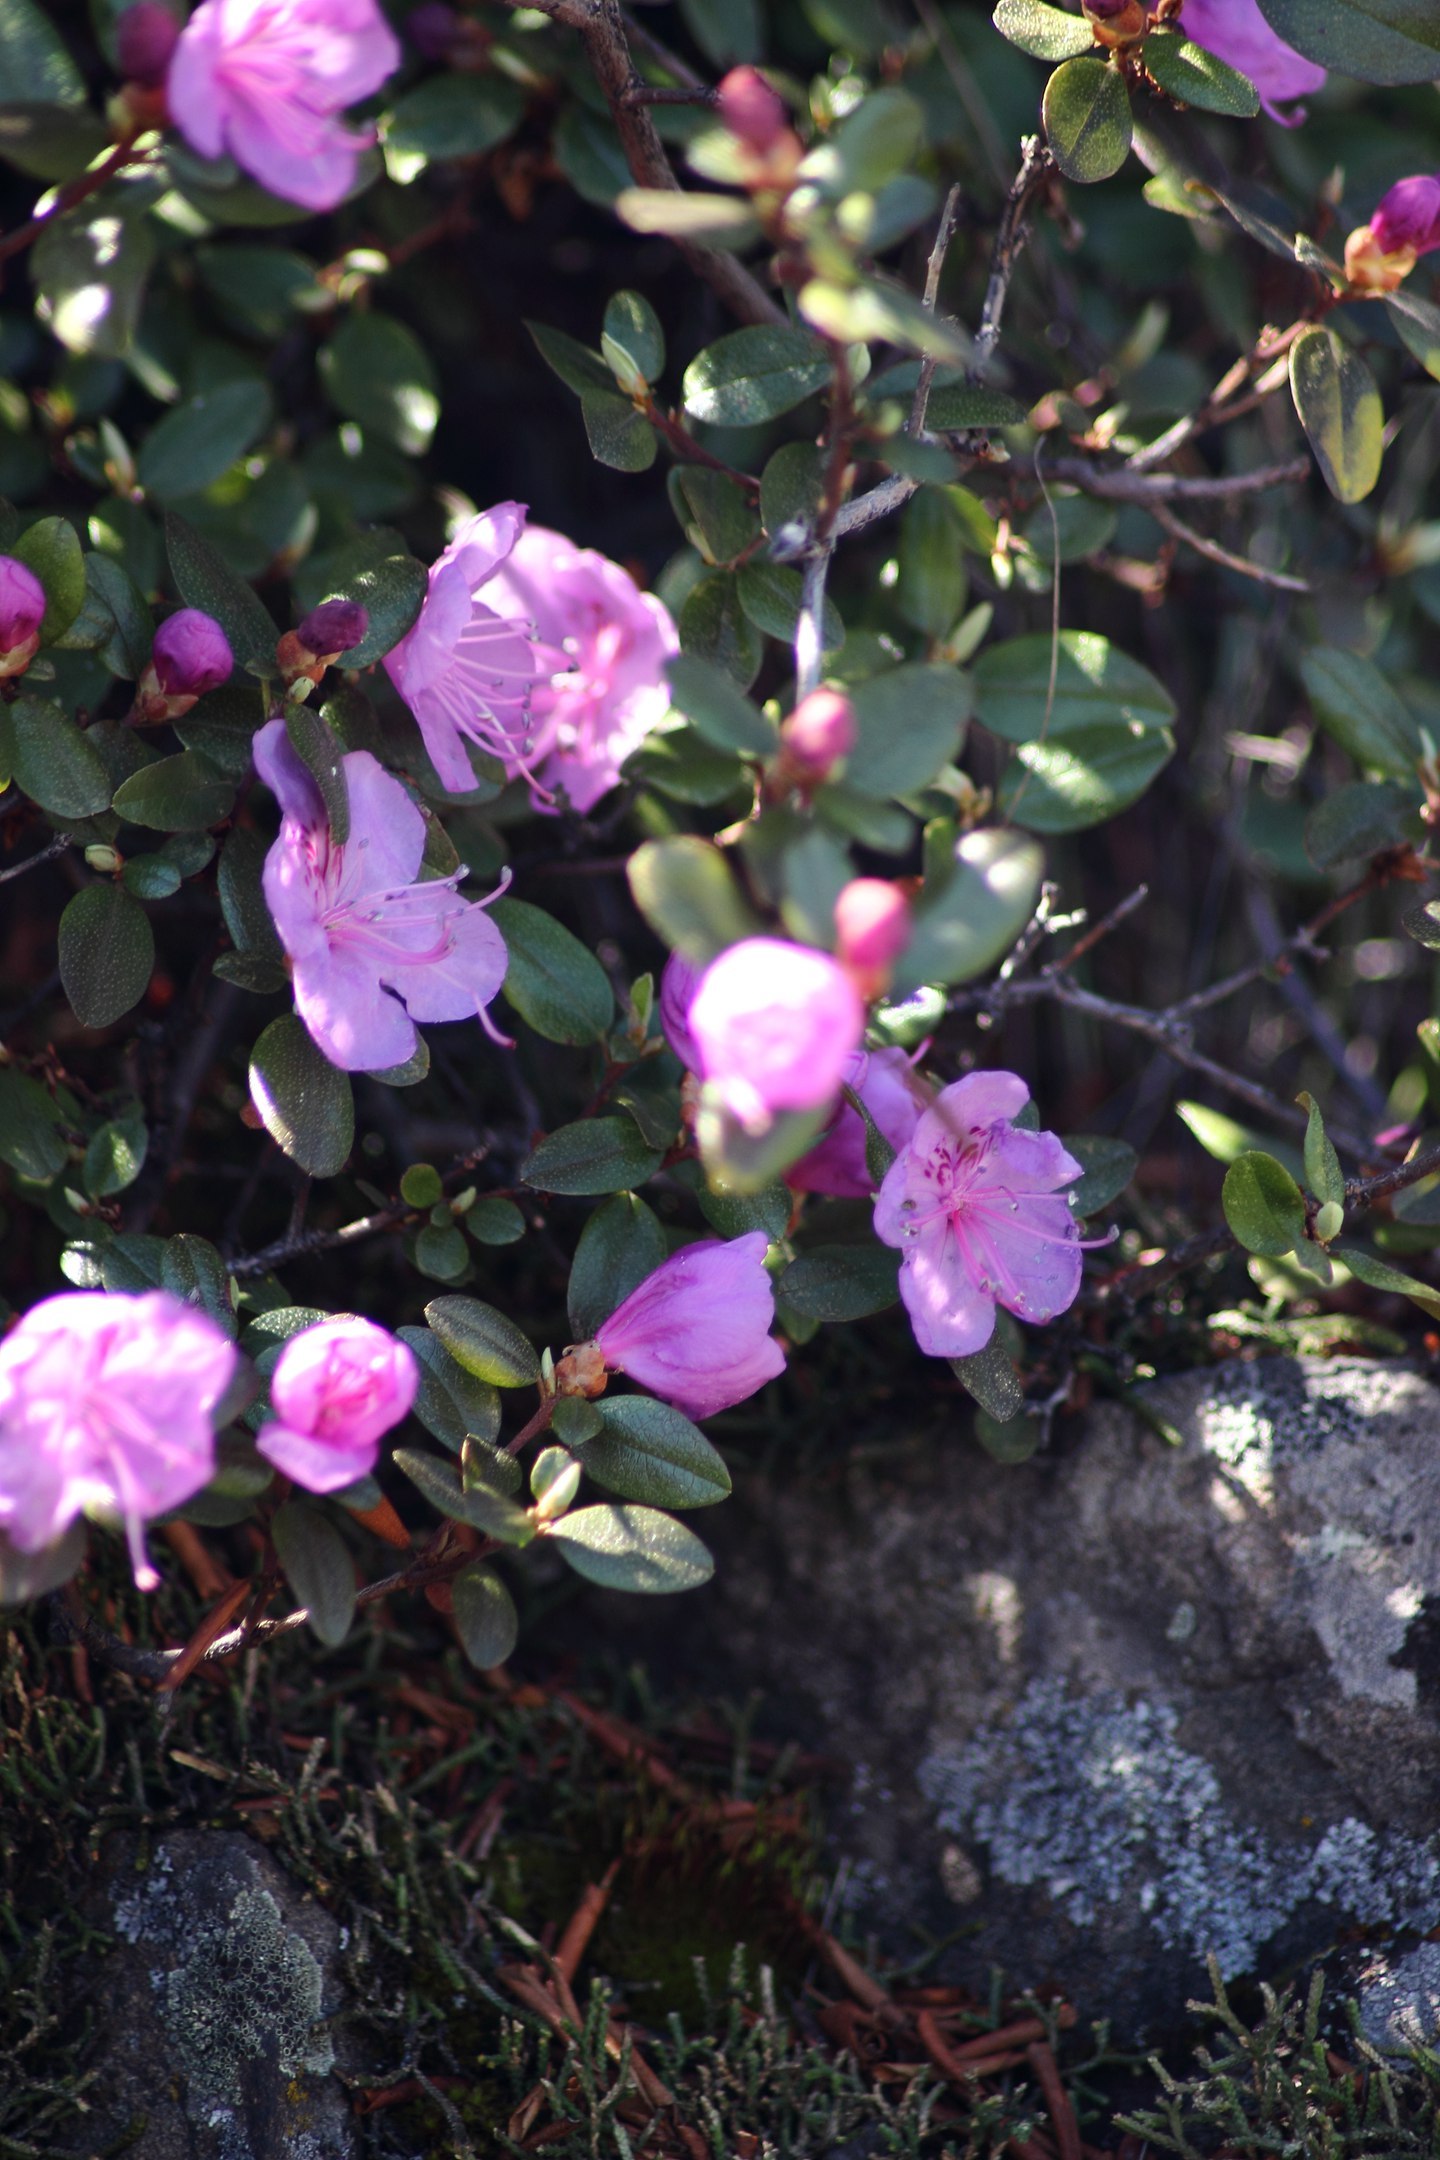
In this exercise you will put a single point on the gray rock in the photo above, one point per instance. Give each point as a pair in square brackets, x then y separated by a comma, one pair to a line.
[216, 2006]
[1126, 1704]
[1399, 2000]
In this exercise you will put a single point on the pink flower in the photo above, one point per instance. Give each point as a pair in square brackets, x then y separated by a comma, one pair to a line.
[872, 929]
[1408, 215]
[191, 655]
[678, 985]
[978, 1209]
[1237, 33]
[372, 950]
[22, 610]
[697, 1331]
[775, 1026]
[821, 730]
[894, 1094]
[266, 80]
[610, 642]
[106, 1403]
[468, 673]
[336, 1388]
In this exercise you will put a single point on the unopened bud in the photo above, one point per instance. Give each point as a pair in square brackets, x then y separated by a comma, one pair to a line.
[1408, 215]
[191, 655]
[319, 639]
[1116, 23]
[754, 113]
[872, 926]
[1370, 268]
[105, 861]
[22, 610]
[582, 1371]
[819, 732]
[145, 37]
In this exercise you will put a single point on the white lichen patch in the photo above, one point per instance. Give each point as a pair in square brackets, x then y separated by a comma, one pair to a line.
[248, 1986]
[1093, 1798]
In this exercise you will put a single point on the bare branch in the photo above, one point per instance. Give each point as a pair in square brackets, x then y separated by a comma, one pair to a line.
[32, 862]
[1214, 552]
[1121, 483]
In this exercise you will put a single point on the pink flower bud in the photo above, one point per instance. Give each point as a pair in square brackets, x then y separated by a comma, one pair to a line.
[819, 732]
[336, 1389]
[22, 610]
[751, 110]
[335, 627]
[775, 1025]
[191, 655]
[697, 1331]
[1408, 215]
[872, 925]
[678, 985]
[145, 37]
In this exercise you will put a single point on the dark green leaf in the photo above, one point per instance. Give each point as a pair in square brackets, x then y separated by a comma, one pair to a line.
[714, 626]
[685, 889]
[30, 1141]
[183, 793]
[485, 1617]
[1380, 1276]
[90, 271]
[1087, 119]
[479, 1505]
[206, 581]
[1194, 76]
[632, 325]
[1322, 1165]
[484, 1342]
[1358, 819]
[911, 722]
[1046, 33]
[127, 648]
[191, 1268]
[452, 1402]
[791, 486]
[378, 571]
[1354, 703]
[197, 442]
[1082, 776]
[114, 1157]
[619, 436]
[717, 710]
[840, 1282]
[752, 375]
[930, 589]
[1263, 1204]
[990, 1376]
[51, 548]
[376, 371]
[632, 1548]
[771, 595]
[1417, 323]
[33, 56]
[553, 981]
[49, 142]
[107, 952]
[649, 1451]
[715, 510]
[1094, 681]
[441, 1252]
[1340, 410]
[577, 366]
[962, 928]
[49, 759]
[242, 897]
[495, 1222]
[1376, 41]
[1108, 1164]
[450, 116]
[620, 1245]
[596, 1155]
[305, 1104]
[318, 1566]
[321, 753]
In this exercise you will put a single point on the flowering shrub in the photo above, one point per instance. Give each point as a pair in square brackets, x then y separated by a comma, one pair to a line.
[685, 864]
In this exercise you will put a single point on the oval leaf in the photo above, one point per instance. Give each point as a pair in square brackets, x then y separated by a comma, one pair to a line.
[318, 1566]
[595, 1155]
[1340, 410]
[107, 952]
[1376, 41]
[49, 759]
[1087, 119]
[620, 1245]
[632, 1548]
[305, 1104]
[1263, 1204]
[553, 981]
[840, 1282]
[484, 1342]
[650, 1451]
[752, 375]
[485, 1617]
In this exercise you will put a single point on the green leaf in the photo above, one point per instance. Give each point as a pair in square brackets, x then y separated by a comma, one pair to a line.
[596, 1155]
[441, 1252]
[107, 953]
[114, 1157]
[619, 436]
[242, 897]
[1087, 119]
[930, 588]
[197, 442]
[552, 980]
[632, 325]
[183, 793]
[1194, 76]
[684, 888]
[90, 271]
[969, 405]
[738, 1162]
[619, 1246]
[450, 116]
[882, 136]
[715, 510]
[495, 1222]
[1375, 41]
[318, 1566]
[192, 1269]
[1094, 681]
[714, 626]
[726, 31]
[452, 1402]
[1108, 1164]
[322, 754]
[51, 548]
[752, 375]
[30, 1140]
[649, 1451]
[485, 1617]
[990, 1376]
[577, 366]
[771, 595]
[305, 1104]
[1226, 1139]
[1082, 775]
[50, 760]
[1046, 33]
[1322, 1165]
[1356, 820]
[971, 921]
[840, 1282]
[377, 570]
[737, 1214]
[1340, 410]
[1417, 324]
[33, 54]
[1263, 1204]
[632, 1548]
[479, 1505]
[910, 722]
[872, 310]
[791, 486]
[484, 1342]
[1354, 703]
[127, 648]
[377, 372]
[721, 221]
[206, 581]
[49, 142]
[717, 710]
[1380, 1276]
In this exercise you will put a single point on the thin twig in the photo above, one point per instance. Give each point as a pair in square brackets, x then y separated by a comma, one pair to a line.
[32, 862]
[1214, 552]
[602, 29]
[1036, 169]
[1121, 483]
[70, 196]
[945, 233]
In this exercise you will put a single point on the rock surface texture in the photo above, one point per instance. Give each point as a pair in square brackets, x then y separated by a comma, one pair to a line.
[1127, 1703]
[218, 1994]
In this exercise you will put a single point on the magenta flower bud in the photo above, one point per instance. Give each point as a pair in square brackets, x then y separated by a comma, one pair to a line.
[22, 610]
[106, 1402]
[145, 36]
[775, 1025]
[335, 627]
[336, 1389]
[431, 29]
[678, 985]
[697, 1331]
[1408, 216]
[191, 654]
[872, 926]
[753, 113]
[978, 1209]
[819, 732]
[894, 1094]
